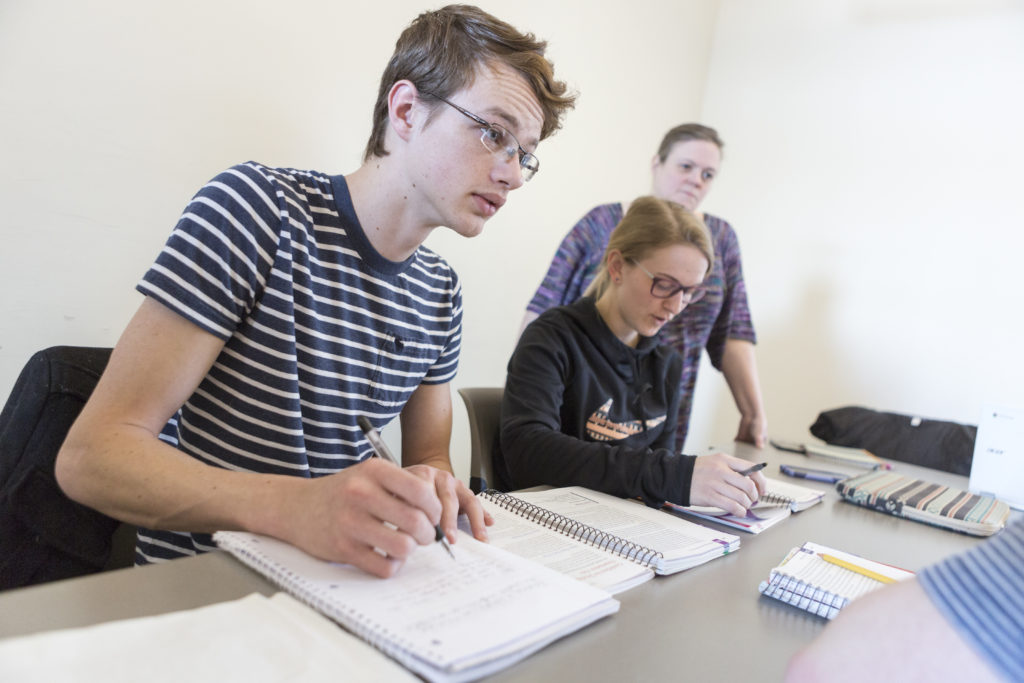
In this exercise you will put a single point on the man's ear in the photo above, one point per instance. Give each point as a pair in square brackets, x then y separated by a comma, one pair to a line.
[655, 161]
[404, 108]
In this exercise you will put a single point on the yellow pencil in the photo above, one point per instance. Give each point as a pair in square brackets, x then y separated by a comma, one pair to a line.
[857, 568]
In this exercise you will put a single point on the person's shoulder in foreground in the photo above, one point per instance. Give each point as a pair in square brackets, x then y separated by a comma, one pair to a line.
[960, 619]
[463, 104]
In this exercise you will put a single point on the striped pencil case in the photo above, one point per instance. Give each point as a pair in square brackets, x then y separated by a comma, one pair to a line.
[927, 502]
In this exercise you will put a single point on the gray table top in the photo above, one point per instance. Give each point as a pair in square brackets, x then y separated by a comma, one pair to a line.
[707, 623]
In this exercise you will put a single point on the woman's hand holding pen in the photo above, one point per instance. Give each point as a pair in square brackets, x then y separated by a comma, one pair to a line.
[718, 482]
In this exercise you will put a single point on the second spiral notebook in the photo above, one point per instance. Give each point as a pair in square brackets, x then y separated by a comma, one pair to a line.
[776, 505]
[600, 539]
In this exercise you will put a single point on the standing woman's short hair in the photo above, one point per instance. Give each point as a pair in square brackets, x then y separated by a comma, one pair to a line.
[688, 131]
[440, 51]
[651, 224]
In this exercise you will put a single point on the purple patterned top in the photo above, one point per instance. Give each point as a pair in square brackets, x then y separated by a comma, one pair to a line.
[722, 313]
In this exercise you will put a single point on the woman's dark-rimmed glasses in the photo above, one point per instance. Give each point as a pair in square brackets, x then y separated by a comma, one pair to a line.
[664, 288]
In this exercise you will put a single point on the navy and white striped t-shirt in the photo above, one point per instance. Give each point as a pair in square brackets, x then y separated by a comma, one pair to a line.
[981, 592]
[319, 328]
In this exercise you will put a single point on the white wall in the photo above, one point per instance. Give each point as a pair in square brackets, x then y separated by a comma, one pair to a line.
[873, 148]
[872, 171]
[114, 113]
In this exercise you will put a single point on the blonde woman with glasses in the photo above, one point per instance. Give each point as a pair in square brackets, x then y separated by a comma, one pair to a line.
[591, 397]
[683, 171]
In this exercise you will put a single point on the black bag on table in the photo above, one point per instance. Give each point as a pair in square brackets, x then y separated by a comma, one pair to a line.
[941, 445]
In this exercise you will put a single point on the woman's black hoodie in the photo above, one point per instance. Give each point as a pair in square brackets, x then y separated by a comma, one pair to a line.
[581, 408]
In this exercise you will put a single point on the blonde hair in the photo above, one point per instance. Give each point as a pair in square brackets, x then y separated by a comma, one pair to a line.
[651, 224]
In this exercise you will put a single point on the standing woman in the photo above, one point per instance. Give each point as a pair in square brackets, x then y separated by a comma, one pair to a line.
[591, 398]
[682, 171]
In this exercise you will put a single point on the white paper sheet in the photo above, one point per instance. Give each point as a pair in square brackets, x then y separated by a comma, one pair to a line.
[252, 640]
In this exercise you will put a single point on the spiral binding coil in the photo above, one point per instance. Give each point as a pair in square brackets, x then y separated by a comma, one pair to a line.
[803, 595]
[774, 500]
[568, 526]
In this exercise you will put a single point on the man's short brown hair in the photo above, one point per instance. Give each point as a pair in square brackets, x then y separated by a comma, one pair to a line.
[440, 51]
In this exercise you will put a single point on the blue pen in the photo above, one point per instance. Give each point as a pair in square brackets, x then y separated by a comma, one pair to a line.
[813, 475]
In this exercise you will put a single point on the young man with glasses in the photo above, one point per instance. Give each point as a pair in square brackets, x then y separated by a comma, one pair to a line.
[287, 304]
[592, 396]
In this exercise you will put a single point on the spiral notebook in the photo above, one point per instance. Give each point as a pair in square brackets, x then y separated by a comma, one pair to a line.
[924, 501]
[781, 499]
[823, 580]
[576, 517]
[444, 620]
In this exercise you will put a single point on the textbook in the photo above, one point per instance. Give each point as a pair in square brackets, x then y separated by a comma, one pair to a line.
[823, 580]
[924, 501]
[626, 529]
[781, 499]
[548, 546]
[442, 619]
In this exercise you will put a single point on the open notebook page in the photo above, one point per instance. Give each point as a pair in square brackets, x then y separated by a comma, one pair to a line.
[560, 552]
[445, 619]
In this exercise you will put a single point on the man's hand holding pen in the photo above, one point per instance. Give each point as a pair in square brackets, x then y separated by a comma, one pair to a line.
[381, 450]
[453, 494]
[372, 515]
[455, 499]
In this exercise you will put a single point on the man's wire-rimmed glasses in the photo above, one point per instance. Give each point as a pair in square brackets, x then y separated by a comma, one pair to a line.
[499, 141]
[664, 288]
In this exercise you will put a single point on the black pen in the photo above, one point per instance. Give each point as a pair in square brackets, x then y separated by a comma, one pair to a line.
[381, 450]
[756, 468]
